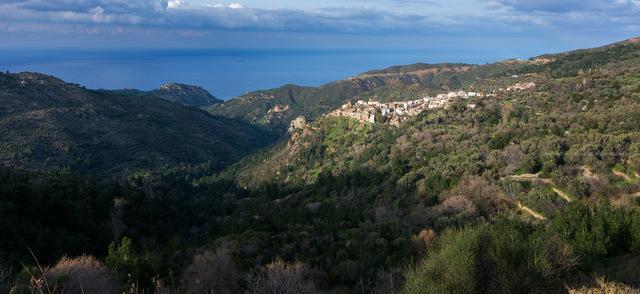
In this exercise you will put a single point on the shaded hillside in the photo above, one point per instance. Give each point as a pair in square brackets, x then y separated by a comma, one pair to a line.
[49, 124]
[180, 93]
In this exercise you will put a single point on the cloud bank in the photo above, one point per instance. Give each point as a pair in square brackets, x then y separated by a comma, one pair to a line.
[419, 18]
[181, 14]
[566, 6]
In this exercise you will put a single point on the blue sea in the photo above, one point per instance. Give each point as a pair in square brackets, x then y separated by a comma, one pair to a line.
[225, 73]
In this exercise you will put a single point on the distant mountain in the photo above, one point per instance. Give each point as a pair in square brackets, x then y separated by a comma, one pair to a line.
[47, 124]
[186, 94]
[180, 93]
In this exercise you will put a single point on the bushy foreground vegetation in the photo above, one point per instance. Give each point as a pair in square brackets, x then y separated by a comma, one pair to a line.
[502, 254]
[512, 257]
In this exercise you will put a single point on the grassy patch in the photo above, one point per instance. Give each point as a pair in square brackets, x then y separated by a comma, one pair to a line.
[345, 132]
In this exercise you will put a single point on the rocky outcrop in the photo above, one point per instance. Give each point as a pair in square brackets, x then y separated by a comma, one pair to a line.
[297, 124]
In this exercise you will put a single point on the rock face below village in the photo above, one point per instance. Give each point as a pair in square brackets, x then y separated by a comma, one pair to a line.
[299, 123]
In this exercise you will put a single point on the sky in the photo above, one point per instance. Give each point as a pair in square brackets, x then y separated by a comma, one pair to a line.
[512, 27]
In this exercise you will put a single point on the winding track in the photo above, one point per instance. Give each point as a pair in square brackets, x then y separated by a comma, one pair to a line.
[530, 212]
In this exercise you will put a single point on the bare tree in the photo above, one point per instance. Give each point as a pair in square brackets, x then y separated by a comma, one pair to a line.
[84, 274]
[280, 277]
[211, 273]
[487, 197]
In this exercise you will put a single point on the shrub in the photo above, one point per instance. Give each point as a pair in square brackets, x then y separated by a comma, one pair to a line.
[425, 240]
[211, 273]
[451, 268]
[280, 277]
[594, 233]
[506, 257]
[129, 266]
[635, 233]
[84, 274]
[434, 185]
[525, 261]
[487, 197]
[604, 287]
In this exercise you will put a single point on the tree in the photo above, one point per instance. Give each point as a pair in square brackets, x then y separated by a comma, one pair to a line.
[280, 277]
[211, 273]
[84, 274]
[128, 266]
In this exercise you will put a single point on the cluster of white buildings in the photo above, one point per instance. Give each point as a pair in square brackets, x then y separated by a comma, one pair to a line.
[519, 87]
[395, 113]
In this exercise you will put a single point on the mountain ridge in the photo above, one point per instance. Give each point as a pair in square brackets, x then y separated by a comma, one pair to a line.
[50, 124]
[184, 94]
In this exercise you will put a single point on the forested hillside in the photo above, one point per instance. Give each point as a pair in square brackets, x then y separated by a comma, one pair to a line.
[47, 124]
[558, 164]
[532, 190]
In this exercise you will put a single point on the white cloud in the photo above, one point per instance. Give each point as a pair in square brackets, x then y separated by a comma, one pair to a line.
[567, 6]
[172, 4]
[489, 15]
[97, 15]
[219, 5]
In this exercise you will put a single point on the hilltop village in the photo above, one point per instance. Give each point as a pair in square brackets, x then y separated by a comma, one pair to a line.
[394, 113]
